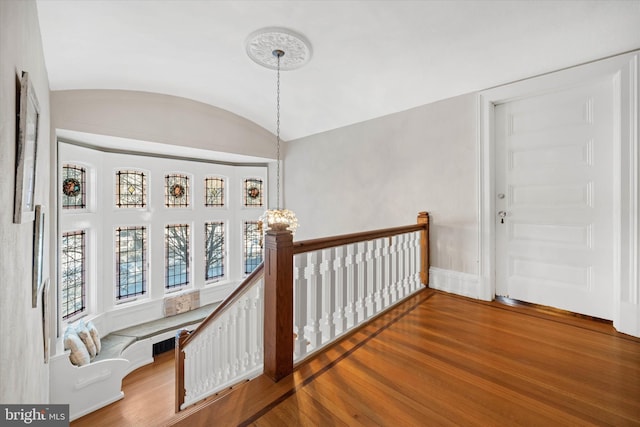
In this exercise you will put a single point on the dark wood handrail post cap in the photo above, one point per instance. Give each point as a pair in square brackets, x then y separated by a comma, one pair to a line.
[280, 235]
[181, 335]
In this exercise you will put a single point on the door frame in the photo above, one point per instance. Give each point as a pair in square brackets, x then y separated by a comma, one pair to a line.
[626, 224]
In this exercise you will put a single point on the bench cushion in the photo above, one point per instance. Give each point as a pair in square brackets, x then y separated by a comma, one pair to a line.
[113, 346]
[166, 324]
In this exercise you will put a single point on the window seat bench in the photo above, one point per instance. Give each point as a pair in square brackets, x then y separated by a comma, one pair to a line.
[115, 343]
[99, 383]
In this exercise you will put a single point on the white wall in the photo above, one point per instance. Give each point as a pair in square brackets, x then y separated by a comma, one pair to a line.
[159, 118]
[23, 373]
[382, 172]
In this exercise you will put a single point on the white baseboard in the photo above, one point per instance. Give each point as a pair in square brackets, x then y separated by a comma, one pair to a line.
[455, 282]
[628, 320]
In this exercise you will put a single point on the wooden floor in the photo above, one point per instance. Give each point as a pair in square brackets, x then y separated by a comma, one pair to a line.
[437, 359]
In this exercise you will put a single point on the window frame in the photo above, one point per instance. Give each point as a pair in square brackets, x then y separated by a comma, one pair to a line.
[69, 317]
[188, 261]
[145, 264]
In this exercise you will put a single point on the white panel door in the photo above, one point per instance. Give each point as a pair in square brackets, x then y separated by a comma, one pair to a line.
[554, 202]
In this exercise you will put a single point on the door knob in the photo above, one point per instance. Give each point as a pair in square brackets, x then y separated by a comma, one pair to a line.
[502, 215]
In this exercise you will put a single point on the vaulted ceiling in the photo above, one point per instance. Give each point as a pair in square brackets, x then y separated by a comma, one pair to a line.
[369, 57]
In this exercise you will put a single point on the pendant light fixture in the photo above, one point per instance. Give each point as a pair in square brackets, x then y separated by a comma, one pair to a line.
[279, 49]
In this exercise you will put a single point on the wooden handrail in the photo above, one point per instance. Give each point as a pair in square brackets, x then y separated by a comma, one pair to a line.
[227, 302]
[345, 239]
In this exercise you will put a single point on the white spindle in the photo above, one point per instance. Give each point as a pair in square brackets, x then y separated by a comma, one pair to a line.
[402, 265]
[259, 352]
[352, 292]
[415, 282]
[370, 285]
[393, 260]
[378, 282]
[327, 273]
[341, 289]
[299, 304]
[361, 281]
[386, 271]
[314, 300]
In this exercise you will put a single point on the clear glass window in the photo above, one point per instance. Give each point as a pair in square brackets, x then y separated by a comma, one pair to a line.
[176, 256]
[253, 245]
[214, 250]
[131, 262]
[73, 266]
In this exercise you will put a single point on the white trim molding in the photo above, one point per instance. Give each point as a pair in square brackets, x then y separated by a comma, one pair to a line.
[455, 282]
[624, 70]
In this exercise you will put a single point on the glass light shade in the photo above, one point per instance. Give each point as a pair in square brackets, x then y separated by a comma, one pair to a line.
[279, 219]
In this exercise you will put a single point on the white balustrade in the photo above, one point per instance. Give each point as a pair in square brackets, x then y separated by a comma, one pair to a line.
[337, 289]
[227, 352]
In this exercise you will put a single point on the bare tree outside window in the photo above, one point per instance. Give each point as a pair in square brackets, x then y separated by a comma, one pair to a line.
[177, 256]
[73, 273]
[214, 250]
[131, 265]
[253, 245]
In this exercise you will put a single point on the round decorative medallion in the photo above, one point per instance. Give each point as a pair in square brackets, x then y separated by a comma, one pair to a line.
[71, 187]
[261, 44]
[177, 191]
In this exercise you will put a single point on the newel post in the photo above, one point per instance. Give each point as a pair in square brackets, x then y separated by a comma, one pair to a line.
[278, 304]
[180, 390]
[423, 218]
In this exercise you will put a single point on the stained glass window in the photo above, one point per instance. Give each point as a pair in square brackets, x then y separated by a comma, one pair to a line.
[214, 250]
[253, 192]
[176, 191]
[131, 189]
[73, 267]
[214, 192]
[131, 261]
[252, 237]
[176, 255]
[73, 187]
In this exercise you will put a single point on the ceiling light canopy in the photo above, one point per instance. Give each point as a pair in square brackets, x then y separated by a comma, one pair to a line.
[261, 44]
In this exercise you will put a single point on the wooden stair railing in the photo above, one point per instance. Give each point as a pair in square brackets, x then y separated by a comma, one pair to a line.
[184, 338]
[362, 262]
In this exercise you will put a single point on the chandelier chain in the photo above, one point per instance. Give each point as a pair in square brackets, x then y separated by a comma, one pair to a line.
[278, 136]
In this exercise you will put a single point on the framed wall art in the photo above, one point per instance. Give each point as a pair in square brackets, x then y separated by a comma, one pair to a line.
[45, 319]
[38, 253]
[27, 144]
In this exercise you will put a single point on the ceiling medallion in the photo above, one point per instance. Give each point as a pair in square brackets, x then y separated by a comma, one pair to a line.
[261, 44]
